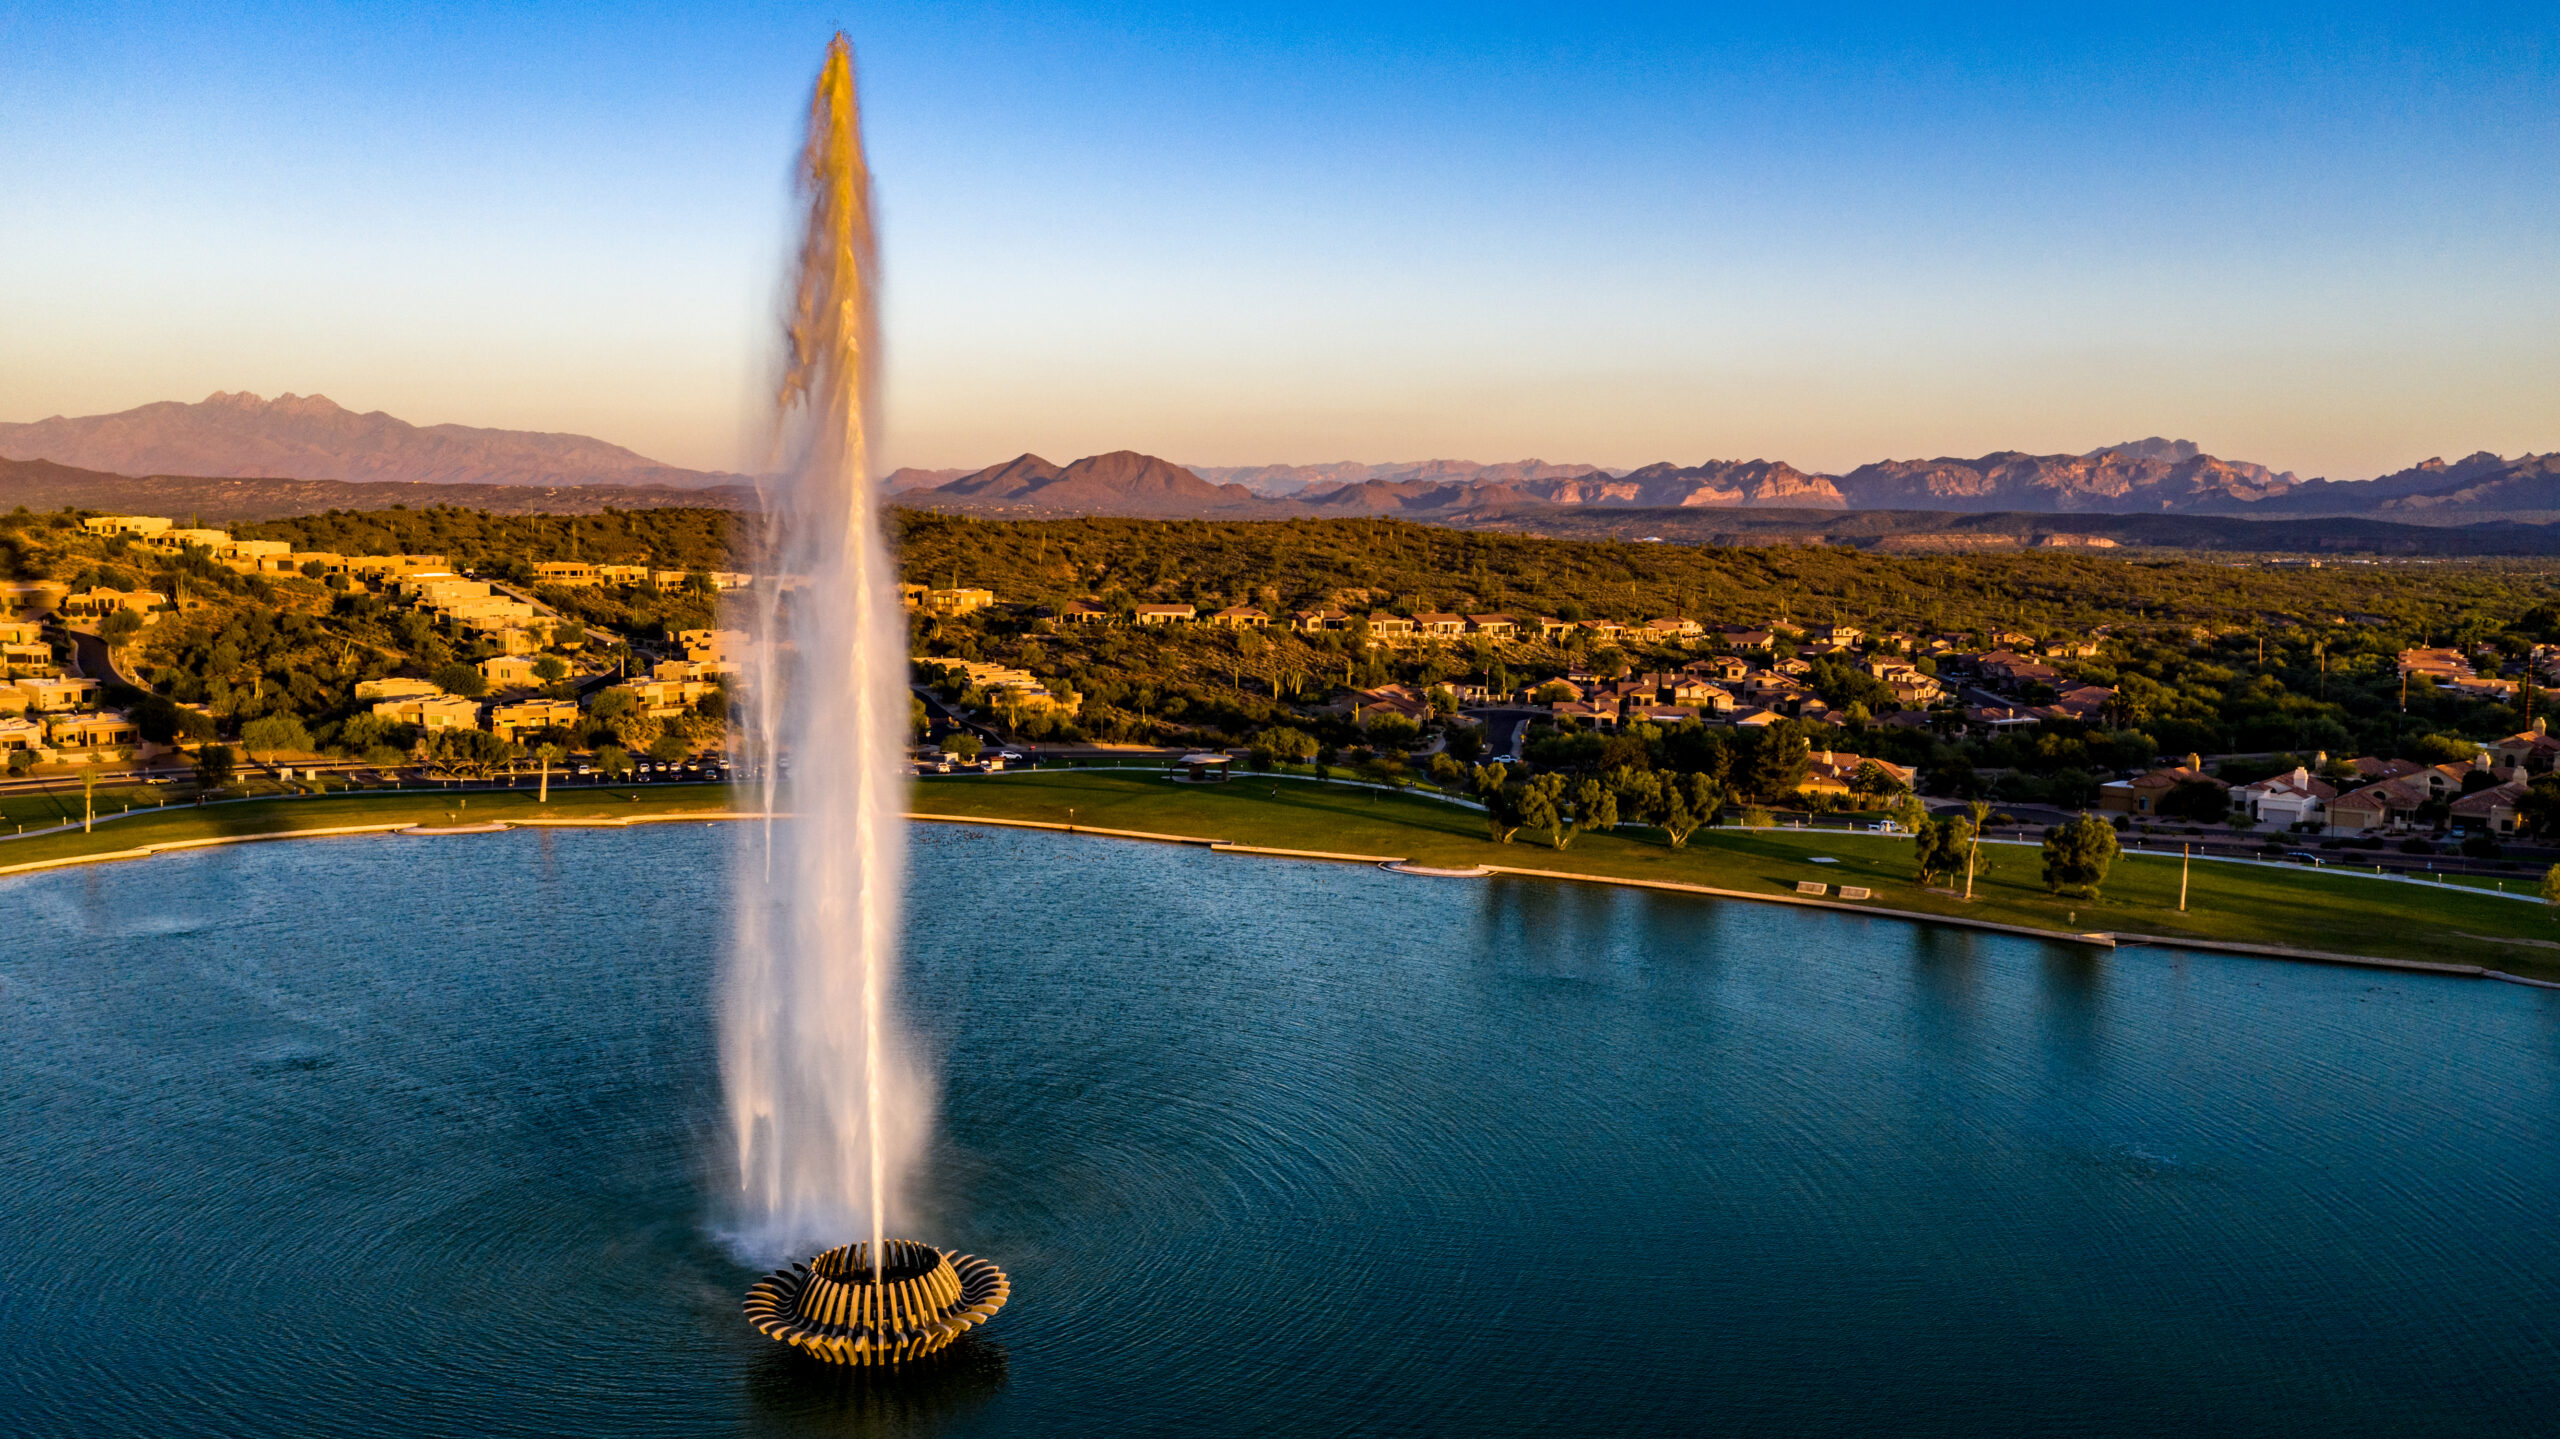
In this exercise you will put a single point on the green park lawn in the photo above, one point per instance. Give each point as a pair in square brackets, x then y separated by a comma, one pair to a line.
[2240, 903]
[2244, 903]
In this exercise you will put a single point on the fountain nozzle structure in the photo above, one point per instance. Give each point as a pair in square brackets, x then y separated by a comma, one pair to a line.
[837, 1308]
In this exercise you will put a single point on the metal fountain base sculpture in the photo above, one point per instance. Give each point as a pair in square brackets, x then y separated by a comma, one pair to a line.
[831, 1307]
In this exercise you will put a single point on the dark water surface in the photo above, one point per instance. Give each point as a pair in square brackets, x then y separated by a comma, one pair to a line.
[403, 1136]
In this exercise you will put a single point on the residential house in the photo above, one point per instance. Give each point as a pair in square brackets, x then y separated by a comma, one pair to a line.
[256, 556]
[2391, 802]
[722, 650]
[142, 525]
[387, 568]
[636, 575]
[2085, 703]
[1492, 627]
[2014, 670]
[1836, 772]
[1842, 635]
[1439, 626]
[2529, 752]
[175, 540]
[958, 601]
[1389, 628]
[505, 672]
[567, 574]
[433, 712]
[1672, 627]
[1167, 614]
[101, 602]
[1726, 668]
[1549, 627]
[2286, 799]
[1992, 719]
[395, 687]
[18, 734]
[2491, 810]
[91, 729]
[1240, 617]
[508, 721]
[1324, 621]
[49, 694]
[1077, 612]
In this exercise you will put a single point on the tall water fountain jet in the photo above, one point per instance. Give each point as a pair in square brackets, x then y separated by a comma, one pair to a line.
[828, 1110]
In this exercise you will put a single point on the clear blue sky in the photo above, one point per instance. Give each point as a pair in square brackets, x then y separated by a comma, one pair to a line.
[2322, 238]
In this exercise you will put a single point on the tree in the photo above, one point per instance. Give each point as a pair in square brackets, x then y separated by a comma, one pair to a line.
[2551, 886]
[961, 745]
[461, 679]
[550, 669]
[614, 761]
[2538, 809]
[547, 755]
[671, 748]
[1540, 808]
[1942, 848]
[1290, 744]
[120, 626]
[1779, 760]
[214, 765]
[2076, 855]
[1595, 807]
[463, 753]
[1501, 800]
[274, 733]
[2199, 800]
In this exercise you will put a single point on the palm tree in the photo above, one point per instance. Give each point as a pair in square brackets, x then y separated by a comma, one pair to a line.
[549, 755]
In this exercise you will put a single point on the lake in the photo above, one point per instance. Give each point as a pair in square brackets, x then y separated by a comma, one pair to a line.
[393, 1136]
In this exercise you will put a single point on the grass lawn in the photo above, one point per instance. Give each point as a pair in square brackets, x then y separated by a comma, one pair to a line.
[273, 816]
[2242, 903]
[2253, 904]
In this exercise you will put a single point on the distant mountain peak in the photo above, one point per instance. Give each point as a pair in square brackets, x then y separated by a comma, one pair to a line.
[2175, 452]
[239, 434]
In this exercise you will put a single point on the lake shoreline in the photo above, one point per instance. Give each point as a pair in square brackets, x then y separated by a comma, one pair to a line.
[432, 814]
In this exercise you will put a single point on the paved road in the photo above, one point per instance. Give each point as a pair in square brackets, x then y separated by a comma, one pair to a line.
[1503, 727]
[91, 655]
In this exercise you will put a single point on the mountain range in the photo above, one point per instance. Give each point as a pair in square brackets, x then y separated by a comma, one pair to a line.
[2153, 476]
[313, 440]
[311, 437]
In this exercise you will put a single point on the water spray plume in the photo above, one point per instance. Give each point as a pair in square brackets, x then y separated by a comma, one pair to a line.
[828, 1111]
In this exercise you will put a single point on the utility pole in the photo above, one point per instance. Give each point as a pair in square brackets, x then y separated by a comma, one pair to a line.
[2186, 857]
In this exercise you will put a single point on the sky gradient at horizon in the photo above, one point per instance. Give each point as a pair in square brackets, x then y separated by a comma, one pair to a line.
[2321, 240]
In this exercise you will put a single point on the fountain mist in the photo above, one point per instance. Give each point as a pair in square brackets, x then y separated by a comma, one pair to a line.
[827, 1108]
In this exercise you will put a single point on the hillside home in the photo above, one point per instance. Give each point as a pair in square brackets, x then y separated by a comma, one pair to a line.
[1240, 617]
[1313, 622]
[395, 687]
[1392, 628]
[567, 574]
[101, 602]
[144, 525]
[957, 601]
[434, 711]
[507, 721]
[506, 672]
[46, 695]
[1439, 626]
[2529, 752]
[1077, 612]
[1167, 614]
[18, 734]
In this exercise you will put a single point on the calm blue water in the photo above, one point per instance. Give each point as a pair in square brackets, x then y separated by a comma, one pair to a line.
[400, 1136]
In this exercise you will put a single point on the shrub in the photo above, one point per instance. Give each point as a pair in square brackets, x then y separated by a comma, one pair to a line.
[2482, 846]
[2416, 845]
